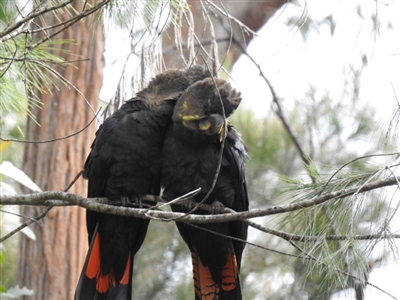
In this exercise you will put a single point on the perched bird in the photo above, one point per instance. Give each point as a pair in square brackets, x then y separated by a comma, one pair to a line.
[191, 154]
[124, 163]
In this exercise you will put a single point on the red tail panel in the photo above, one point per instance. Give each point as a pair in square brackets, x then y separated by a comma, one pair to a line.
[229, 273]
[204, 285]
[93, 266]
[93, 269]
[127, 272]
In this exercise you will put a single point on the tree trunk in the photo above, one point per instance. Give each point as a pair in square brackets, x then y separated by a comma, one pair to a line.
[51, 264]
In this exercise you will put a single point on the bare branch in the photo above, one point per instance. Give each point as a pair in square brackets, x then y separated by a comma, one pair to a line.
[53, 198]
[22, 226]
[42, 215]
[276, 106]
[301, 238]
[279, 112]
[174, 201]
[249, 243]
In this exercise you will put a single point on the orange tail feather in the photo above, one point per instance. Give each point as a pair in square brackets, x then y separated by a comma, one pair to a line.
[229, 273]
[93, 270]
[205, 286]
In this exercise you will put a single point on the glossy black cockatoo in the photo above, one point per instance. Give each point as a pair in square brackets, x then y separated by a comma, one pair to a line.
[125, 161]
[191, 154]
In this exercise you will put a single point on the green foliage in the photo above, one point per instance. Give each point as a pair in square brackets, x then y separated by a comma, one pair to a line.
[2, 289]
[23, 71]
[27, 64]
[2, 11]
[267, 143]
[8, 257]
[7, 12]
[333, 260]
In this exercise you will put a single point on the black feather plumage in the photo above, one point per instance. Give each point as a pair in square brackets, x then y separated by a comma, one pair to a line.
[191, 154]
[125, 161]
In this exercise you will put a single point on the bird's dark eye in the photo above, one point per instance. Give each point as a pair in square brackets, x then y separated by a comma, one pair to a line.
[205, 105]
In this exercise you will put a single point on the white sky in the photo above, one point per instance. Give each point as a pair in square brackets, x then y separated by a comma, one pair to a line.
[292, 64]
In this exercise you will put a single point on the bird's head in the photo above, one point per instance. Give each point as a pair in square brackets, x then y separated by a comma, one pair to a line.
[170, 84]
[199, 108]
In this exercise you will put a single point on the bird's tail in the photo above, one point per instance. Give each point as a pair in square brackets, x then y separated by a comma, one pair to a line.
[95, 285]
[206, 288]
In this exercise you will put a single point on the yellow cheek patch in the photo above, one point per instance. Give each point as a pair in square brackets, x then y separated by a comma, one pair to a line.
[188, 118]
[185, 105]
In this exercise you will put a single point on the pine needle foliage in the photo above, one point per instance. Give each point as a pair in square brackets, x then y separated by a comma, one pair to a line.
[28, 63]
[335, 255]
[22, 72]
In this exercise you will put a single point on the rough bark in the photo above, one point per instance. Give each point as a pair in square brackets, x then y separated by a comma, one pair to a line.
[51, 264]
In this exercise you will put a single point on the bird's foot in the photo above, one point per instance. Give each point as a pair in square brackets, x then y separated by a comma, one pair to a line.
[217, 207]
[135, 201]
[188, 204]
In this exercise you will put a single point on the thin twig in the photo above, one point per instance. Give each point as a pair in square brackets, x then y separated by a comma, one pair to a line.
[278, 110]
[22, 226]
[352, 161]
[42, 215]
[52, 140]
[176, 200]
[246, 242]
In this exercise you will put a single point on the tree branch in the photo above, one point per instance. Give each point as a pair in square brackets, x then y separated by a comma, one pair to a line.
[54, 198]
[22, 226]
[42, 215]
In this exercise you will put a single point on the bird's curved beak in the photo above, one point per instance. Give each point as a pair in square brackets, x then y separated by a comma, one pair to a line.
[211, 125]
[205, 125]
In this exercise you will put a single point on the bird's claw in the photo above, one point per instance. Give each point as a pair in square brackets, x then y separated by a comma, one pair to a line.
[217, 207]
[188, 204]
[135, 201]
